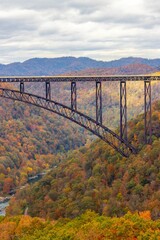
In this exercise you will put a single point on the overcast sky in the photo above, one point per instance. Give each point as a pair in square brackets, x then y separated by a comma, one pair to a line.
[100, 29]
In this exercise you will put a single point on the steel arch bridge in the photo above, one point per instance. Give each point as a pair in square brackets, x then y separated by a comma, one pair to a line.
[119, 142]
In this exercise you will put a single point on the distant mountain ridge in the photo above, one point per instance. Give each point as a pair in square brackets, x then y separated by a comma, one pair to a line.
[57, 66]
[130, 69]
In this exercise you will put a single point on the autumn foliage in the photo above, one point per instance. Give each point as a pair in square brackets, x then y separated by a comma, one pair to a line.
[89, 226]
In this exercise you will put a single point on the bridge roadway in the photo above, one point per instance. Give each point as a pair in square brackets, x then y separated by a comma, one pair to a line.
[79, 78]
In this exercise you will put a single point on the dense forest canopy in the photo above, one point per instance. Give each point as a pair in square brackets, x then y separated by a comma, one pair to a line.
[96, 177]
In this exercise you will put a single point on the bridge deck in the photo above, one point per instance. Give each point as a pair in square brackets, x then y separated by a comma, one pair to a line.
[78, 78]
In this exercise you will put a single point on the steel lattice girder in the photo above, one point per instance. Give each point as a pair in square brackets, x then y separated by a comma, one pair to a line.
[79, 78]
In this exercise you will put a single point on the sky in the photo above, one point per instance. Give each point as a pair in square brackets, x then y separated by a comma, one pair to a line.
[99, 29]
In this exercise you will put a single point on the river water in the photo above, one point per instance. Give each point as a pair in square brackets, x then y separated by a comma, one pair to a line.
[6, 204]
[3, 207]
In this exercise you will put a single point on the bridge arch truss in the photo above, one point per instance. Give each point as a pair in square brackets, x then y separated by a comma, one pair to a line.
[104, 133]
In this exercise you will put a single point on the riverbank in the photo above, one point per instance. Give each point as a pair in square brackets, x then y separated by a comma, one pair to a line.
[4, 199]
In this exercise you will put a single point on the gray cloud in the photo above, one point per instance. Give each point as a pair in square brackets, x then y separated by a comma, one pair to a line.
[104, 29]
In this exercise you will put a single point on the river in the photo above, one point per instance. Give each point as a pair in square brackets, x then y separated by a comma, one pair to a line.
[3, 208]
[31, 180]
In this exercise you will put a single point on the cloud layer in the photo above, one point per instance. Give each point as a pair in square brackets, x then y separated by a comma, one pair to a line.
[100, 29]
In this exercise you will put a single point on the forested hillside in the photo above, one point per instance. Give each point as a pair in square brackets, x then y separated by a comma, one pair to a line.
[92, 177]
[29, 139]
[96, 177]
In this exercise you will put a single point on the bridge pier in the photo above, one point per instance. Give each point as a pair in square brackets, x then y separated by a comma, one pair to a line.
[21, 87]
[123, 110]
[99, 102]
[73, 96]
[48, 90]
[147, 113]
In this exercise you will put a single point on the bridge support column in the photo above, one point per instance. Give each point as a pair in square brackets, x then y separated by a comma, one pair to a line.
[21, 87]
[147, 113]
[73, 96]
[99, 102]
[48, 90]
[123, 110]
